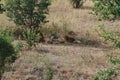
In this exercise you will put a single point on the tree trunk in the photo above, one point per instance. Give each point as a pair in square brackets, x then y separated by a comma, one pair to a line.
[0, 76]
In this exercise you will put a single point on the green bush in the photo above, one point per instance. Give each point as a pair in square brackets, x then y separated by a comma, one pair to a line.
[109, 36]
[77, 3]
[105, 74]
[28, 13]
[7, 53]
[7, 35]
[114, 60]
[111, 73]
[107, 9]
[31, 36]
[19, 46]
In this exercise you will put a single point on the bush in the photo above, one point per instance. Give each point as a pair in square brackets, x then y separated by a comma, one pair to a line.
[7, 35]
[111, 73]
[105, 74]
[107, 9]
[7, 53]
[31, 36]
[28, 13]
[19, 46]
[77, 3]
[114, 60]
[109, 36]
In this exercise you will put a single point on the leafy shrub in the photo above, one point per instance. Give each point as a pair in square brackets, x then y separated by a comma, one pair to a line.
[107, 9]
[109, 73]
[19, 46]
[7, 52]
[31, 36]
[109, 36]
[105, 74]
[28, 13]
[7, 35]
[77, 3]
[114, 60]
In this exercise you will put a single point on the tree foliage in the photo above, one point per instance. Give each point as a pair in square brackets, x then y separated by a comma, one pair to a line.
[29, 13]
[107, 9]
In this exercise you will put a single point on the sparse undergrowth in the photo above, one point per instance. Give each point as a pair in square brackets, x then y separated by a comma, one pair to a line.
[111, 73]
[109, 36]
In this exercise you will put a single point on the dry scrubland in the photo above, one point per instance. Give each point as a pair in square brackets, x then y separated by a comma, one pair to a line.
[70, 62]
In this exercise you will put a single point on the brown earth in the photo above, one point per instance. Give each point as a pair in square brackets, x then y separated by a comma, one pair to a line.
[69, 61]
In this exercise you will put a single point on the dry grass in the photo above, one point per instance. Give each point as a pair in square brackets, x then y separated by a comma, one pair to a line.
[4, 22]
[70, 62]
[78, 20]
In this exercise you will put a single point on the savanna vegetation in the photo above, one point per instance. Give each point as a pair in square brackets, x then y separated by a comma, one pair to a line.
[59, 40]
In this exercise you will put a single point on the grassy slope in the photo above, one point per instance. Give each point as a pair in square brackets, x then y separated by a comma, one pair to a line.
[70, 62]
